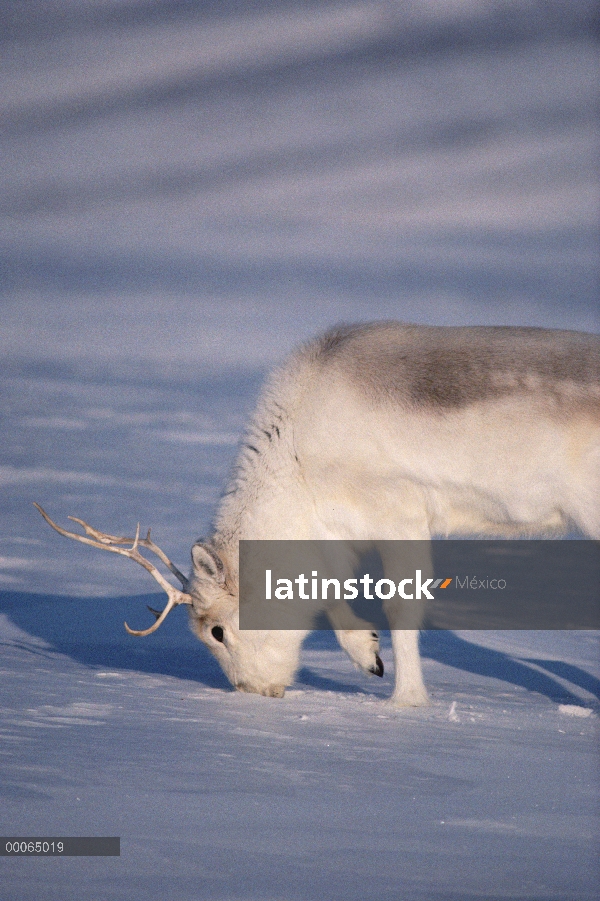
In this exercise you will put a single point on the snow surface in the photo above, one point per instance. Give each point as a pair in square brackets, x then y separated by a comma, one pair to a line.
[491, 792]
[188, 190]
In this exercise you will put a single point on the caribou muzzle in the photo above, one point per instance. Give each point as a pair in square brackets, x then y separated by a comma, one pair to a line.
[268, 691]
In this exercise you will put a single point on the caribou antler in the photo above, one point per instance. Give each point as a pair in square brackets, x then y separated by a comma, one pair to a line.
[111, 543]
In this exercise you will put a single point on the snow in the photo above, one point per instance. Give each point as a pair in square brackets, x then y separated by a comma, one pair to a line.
[574, 710]
[326, 793]
[189, 190]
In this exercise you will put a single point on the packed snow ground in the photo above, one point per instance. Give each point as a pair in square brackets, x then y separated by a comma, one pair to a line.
[188, 190]
[490, 793]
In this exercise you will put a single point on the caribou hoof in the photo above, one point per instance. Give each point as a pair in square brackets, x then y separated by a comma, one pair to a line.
[377, 669]
[416, 697]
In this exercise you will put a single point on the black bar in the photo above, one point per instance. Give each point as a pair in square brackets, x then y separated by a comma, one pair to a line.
[64, 846]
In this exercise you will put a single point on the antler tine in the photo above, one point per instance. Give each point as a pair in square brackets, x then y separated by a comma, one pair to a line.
[101, 540]
[146, 542]
[156, 613]
[160, 618]
[104, 537]
[136, 540]
[107, 543]
[104, 541]
[150, 546]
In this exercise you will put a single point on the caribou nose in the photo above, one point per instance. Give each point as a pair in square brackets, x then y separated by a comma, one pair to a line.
[275, 691]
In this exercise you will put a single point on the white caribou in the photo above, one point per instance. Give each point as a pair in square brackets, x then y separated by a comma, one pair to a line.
[390, 431]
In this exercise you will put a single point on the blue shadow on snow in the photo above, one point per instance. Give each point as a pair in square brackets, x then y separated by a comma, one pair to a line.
[90, 631]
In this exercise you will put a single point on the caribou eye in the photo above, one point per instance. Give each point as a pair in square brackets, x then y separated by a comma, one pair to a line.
[217, 632]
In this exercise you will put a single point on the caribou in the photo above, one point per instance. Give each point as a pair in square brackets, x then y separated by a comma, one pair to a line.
[390, 431]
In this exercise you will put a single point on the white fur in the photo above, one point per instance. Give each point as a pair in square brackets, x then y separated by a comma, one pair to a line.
[334, 451]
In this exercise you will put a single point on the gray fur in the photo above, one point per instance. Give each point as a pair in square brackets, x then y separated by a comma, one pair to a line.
[450, 368]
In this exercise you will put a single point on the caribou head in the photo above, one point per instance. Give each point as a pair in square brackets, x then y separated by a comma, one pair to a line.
[261, 662]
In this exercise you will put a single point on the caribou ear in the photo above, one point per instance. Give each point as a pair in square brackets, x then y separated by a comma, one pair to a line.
[207, 563]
